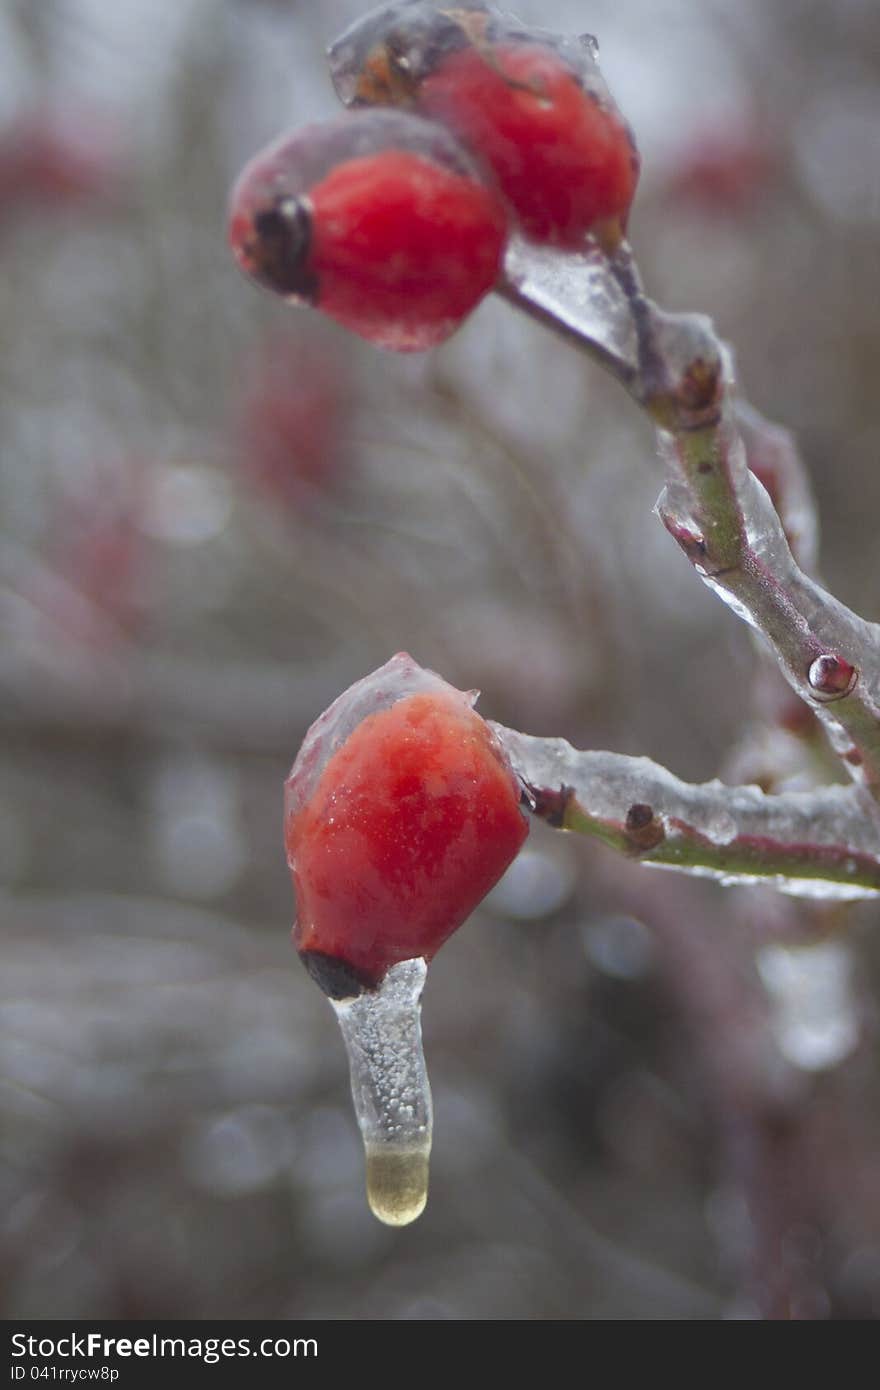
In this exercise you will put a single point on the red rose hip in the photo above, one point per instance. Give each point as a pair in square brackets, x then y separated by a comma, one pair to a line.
[412, 818]
[401, 812]
[563, 161]
[379, 220]
[531, 106]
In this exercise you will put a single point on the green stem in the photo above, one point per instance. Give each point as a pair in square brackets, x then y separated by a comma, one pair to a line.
[824, 843]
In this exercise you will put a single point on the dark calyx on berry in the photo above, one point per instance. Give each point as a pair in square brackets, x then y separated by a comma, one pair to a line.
[382, 58]
[278, 251]
[335, 977]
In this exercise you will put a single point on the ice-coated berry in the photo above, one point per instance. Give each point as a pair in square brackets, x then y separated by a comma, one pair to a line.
[401, 813]
[563, 161]
[530, 105]
[378, 219]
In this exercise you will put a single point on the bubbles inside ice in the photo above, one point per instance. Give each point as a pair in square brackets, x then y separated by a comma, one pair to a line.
[389, 1085]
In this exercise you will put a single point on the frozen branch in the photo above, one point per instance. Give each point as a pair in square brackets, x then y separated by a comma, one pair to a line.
[821, 844]
[716, 509]
[723, 519]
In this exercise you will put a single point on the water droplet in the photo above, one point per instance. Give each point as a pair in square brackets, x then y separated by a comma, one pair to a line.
[389, 1086]
[721, 827]
[831, 676]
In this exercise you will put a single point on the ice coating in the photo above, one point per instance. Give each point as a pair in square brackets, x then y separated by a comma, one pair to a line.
[389, 1086]
[562, 157]
[372, 60]
[821, 844]
[385, 53]
[530, 105]
[294, 162]
[379, 221]
[757, 576]
[400, 676]
[774, 459]
[397, 827]
[401, 812]
[402, 249]
[577, 295]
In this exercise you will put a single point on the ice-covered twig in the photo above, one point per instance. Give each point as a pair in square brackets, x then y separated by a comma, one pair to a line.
[713, 505]
[595, 302]
[723, 519]
[782, 739]
[773, 456]
[821, 844]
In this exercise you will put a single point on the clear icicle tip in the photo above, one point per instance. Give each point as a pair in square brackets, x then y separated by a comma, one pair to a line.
[389, 1086]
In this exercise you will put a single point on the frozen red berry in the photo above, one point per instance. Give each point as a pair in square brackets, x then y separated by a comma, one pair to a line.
[563, 161]
[531, 106]
[401, 813]
[379, 220]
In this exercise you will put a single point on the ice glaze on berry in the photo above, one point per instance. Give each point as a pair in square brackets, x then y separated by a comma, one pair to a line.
[404, 829]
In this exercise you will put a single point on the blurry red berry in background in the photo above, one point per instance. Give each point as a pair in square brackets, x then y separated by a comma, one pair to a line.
[724, 173]
[291, 424]
[58, 158]
[401, 812]
[100, 548]
[532, 107]
[379, 220]
[88, 593]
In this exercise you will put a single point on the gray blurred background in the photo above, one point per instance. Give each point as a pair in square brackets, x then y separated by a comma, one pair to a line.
[216, 513]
